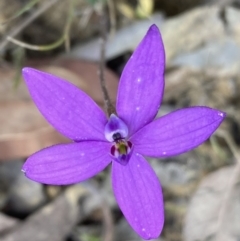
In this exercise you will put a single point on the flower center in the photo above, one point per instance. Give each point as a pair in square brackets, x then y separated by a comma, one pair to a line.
[117, 136]
[116, 131]
[121, 151]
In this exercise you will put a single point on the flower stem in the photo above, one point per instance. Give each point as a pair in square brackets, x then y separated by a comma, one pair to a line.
[103, 39]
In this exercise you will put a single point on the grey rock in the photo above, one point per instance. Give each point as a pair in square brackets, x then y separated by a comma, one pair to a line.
[124, 40]
[182, 33]
[103, 193]
[52, 222]
[222, 54]
[19, 194]
[189, 31]
[123, 232]
[6, 222]
[202, 219]
[25, 195]
[177, 171]
[219, 49]
[232, 16]
[9, 171]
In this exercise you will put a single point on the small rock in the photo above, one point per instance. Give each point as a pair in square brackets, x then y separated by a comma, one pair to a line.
[115, 47]
[203, 213]
[25, 196]
[123, 231]
[222, 53]
[9, 172]
[6, 223]
[92, 205]
[20, 196]
[177, 171]
[190, 30]
[52, 222]
[216, 88]
[232, 16]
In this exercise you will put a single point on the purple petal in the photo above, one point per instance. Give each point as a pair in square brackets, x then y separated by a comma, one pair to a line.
[177, 132]
[72, 112]
[68, 163]
[139, 195]
[141, 85]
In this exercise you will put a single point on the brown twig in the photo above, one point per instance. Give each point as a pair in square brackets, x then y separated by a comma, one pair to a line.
[18, 28]
[103, 39]
[112, 16]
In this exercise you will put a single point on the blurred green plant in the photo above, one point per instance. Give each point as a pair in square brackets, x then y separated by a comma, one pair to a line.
[63, 39]
[24, 9]
[18, 60]
[94, 2]
[88, 237]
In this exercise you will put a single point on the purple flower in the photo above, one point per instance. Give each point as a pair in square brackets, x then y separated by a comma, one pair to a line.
[123, 139]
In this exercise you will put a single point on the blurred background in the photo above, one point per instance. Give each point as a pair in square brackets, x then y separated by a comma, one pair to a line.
[202, 44]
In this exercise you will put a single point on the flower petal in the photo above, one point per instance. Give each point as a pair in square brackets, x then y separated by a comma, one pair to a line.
[177, 132]
[139, 195]
[141, 85]
[68, 163]
[68, 109]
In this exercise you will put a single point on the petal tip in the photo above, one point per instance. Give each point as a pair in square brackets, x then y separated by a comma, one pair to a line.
[222, 114]
[149, 236]
[27, 73]
[26, 70]
[153, 30]
[24, 168]
[154, 27]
